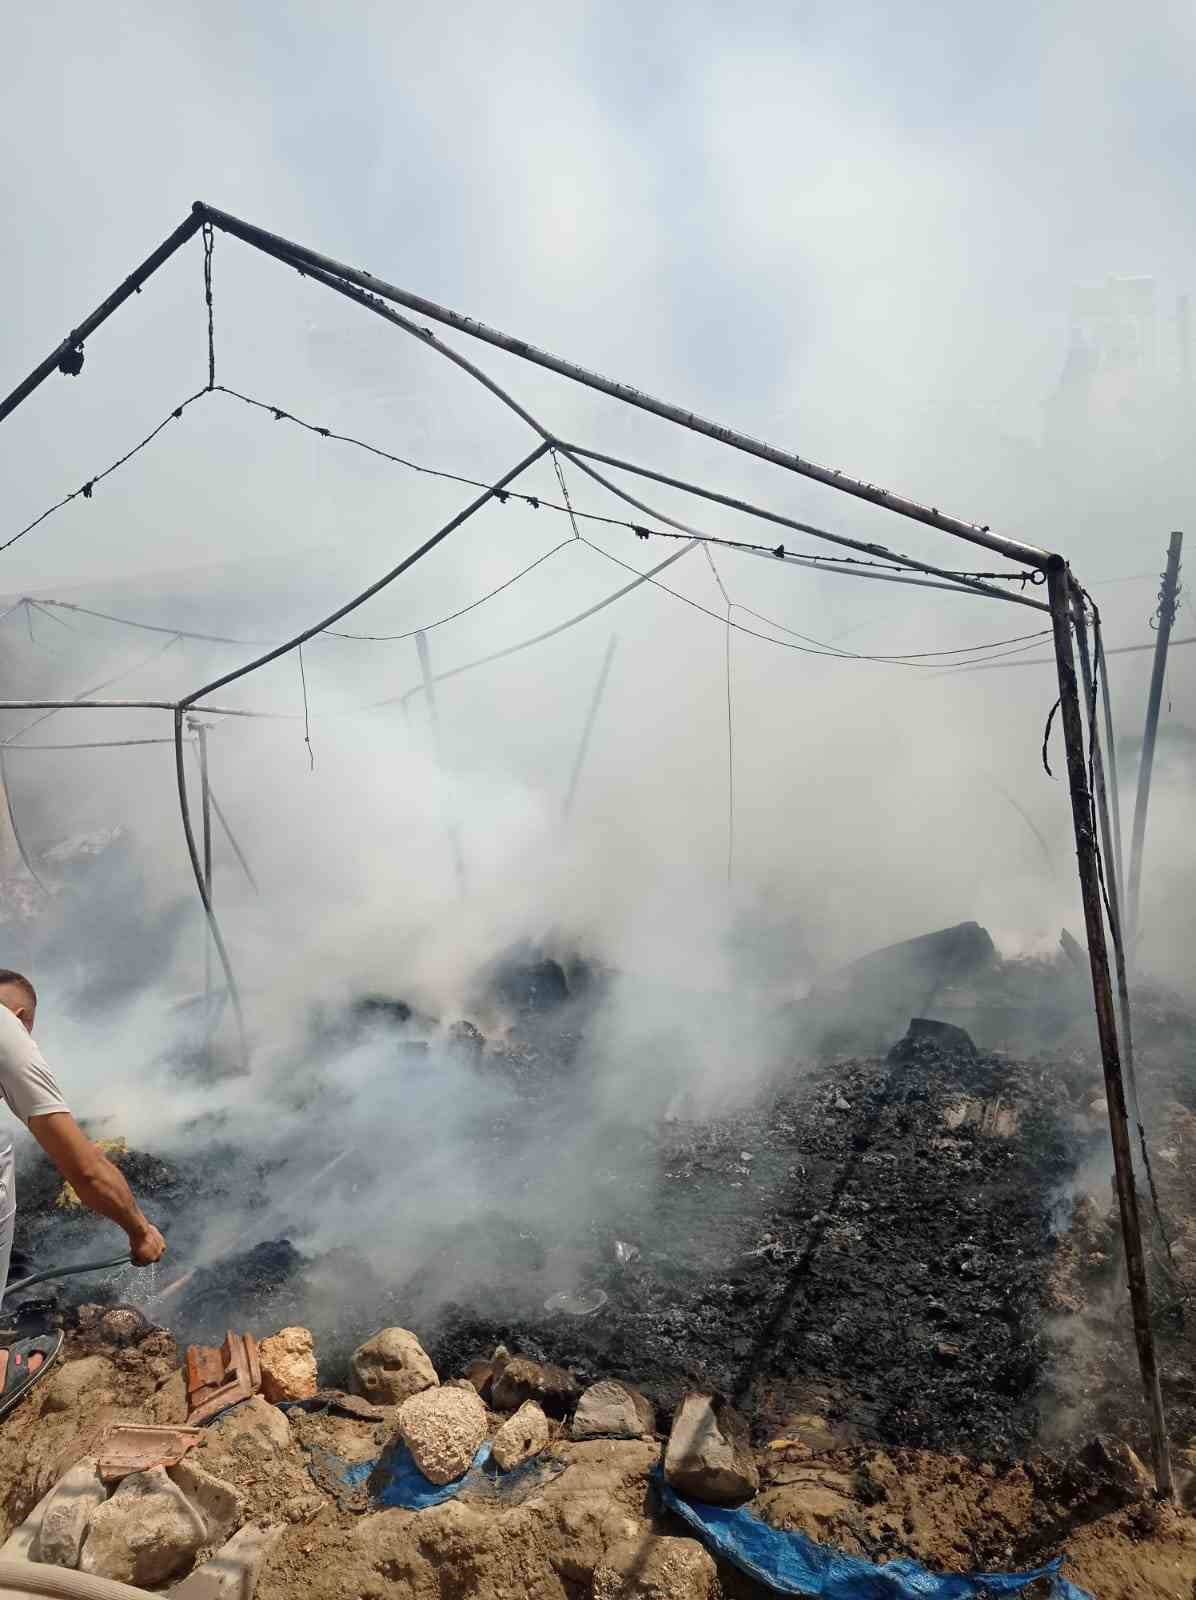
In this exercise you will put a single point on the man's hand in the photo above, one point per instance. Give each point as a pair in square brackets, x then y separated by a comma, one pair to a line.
[100, 1185]
[147, 1245]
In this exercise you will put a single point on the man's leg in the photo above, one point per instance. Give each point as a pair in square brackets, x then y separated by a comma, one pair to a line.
[8, 1216]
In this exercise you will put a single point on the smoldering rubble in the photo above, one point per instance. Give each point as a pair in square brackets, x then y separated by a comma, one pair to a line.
[894, 1273]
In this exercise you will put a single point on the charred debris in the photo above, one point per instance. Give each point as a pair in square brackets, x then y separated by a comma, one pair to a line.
[898, 1233]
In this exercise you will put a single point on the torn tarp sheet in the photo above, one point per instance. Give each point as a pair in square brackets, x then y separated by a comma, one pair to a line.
[397, 1480]
[789, 1563]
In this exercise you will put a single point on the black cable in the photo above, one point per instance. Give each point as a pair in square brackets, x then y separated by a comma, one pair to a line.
[209, 239]
[391, 638]
[828, 651]
[306, 718]
[86, 489]
[89, 744]
[84, 694]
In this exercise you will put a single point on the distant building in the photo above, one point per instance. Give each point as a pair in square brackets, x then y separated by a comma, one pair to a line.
[1113, 399]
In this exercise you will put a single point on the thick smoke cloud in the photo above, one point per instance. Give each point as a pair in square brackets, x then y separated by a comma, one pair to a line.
[845, 229]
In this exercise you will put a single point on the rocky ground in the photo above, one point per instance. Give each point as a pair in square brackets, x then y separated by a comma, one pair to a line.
[899, 1269]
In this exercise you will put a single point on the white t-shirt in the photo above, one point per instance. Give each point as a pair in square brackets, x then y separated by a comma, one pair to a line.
[26, 1082]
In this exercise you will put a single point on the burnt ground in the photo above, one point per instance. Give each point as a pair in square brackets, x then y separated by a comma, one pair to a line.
[838, 1249]
[874, 1245]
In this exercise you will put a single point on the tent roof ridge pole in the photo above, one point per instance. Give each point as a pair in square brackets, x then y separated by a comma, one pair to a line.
[581, 458]
[299, 255]
[130, 286]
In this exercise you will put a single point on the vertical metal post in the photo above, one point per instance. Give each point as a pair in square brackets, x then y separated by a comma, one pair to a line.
[1112, 879]
[1111, 752]
[1059, 587]
[206, 814]
[452, 826]
[1167, 604]
[591, 717]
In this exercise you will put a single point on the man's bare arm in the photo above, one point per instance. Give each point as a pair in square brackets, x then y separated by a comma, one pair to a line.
[99, 1184]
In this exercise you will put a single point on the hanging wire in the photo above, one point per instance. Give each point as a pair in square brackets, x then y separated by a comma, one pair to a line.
[306, 718]
[816, 649]
[209, 239]
[85, 489]
[560, 478]
[84, 694]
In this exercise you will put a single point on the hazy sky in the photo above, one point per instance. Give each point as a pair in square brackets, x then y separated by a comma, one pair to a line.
[849, 228]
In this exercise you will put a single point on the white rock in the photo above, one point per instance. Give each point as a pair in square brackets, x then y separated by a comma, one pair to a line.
[443, 1429]
[67, 1513]
[708, 1456]
[146, 1534]
[391, 1367]
[520, 1438]
[611, 1410]
[218, 1503]
[288, 1360]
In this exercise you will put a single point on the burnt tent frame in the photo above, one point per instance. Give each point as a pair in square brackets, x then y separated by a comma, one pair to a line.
[1067, 605]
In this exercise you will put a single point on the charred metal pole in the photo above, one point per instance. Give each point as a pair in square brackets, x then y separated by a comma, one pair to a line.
[234, 992]
[451, 825]
[1111, 750]
[1059, 588]
[1168, 602]
[315, 264]
[1113, 899]
[591, 717]
[68, 356]
[232, 839]
[205, 793]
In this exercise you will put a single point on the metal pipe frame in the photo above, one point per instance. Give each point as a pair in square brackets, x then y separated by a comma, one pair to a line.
[373, 292]
[1060, 588]
[316, 264]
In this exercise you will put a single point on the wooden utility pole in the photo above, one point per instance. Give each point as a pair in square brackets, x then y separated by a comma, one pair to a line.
[1060, 588]
[451, 825]
[1168, 602]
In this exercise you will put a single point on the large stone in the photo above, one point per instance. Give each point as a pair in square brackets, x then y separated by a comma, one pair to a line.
[656, 1568]
[254, 1427]
[288, 1361]
[232, 1573]
[708, 1456]
[611, 1410]
[93, 1378]
[218, 1503]
[67, 1513]
[443, 1429]
[146, 1534]
[520, 1438]
[391, 1367]
[552, 1388]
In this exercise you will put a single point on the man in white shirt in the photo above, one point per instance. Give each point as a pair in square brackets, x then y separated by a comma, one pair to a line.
[28, 1087]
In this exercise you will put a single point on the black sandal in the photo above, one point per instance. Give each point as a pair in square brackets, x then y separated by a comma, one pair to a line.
[24, 1363]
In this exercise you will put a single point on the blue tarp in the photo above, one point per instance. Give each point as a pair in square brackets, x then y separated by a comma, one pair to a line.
[399, 1482]
[789, 1563]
